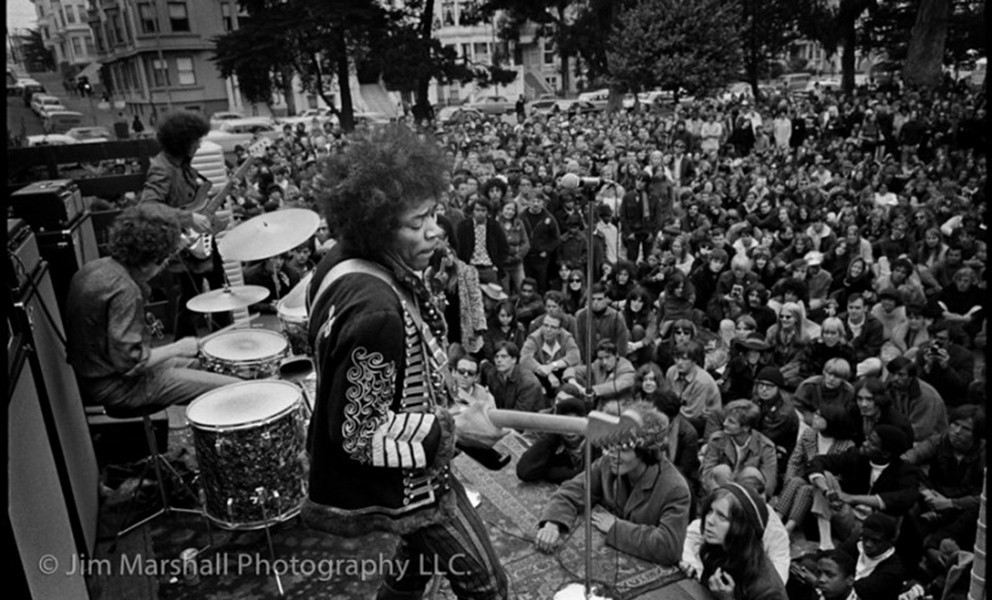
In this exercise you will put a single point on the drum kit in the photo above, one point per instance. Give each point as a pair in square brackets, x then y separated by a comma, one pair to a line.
[249, 436]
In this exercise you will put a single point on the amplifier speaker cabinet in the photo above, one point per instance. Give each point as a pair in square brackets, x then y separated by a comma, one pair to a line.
[48, 205]
[39, 321]
[23, 255]
[39, 516]
[66, 251]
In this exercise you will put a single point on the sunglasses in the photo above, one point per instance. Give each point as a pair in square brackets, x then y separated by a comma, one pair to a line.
[466, 372]
[575, 280]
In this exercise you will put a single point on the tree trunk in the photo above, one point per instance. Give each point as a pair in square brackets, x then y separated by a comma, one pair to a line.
[347, 115]
[288, 91]
[926, 45]
[422, 106]
[564, 54]
[847, 58]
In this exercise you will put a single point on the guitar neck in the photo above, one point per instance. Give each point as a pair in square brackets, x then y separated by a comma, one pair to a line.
[529, 421]
[215, 202]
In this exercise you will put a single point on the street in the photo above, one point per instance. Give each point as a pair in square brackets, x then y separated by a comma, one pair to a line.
[20, 116]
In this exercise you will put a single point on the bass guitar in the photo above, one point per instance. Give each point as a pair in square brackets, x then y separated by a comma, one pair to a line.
[199, 246]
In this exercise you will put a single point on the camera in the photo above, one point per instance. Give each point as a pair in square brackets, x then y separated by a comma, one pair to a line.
[936, 346]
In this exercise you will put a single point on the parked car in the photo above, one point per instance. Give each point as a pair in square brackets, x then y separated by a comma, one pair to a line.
[43, 103]
[596, 97]
[228, 115]
[30, 87]
[568, 107]
[458, 115]
[243, 132]
[90, 135]
[492, 105]
[49, 139]
[61, 121]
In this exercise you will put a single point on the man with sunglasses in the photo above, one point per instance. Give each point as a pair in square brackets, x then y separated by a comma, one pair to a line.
[107, 333]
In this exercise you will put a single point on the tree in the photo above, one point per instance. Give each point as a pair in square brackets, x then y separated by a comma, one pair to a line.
[36, 56]
[411, 58]
[834, 24]
[926, 46]
[769, 27]
[552, 18]
[315, 40]
[673, 44]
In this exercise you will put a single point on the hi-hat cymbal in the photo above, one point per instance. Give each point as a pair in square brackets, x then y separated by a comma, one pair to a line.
[269, 234]
[226, 299]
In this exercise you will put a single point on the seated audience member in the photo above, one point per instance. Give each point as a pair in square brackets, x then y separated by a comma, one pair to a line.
[107, 329]
[946, 364]
[554, 300]
[548, 352]
[272, 275]
[916, 333]
[695, 387]
[789, 339]
[513, 386]
[962, 301]
[875, 406]
[779, 420]
[832, 343]
[467, 390]
[682, 447]
[951, 490]
[864, 480]
[737, 446]
[835, 573]
[734, 563]
[825, 435]
[751, 357]
[606, 323]
[891, 313]
[650, 383]
[915, 399]
[528, 303]
[774, 538]
[681, 330]
[879, 572]
[646, 498]
[832, 387]
[866, 334]
[557, 457]
[612, 377]
[502, 325]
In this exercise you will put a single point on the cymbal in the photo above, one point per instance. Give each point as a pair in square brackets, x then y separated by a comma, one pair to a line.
[226, 299]
[269, 234]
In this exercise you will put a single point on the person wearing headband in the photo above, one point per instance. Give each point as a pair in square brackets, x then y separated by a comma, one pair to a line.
[646, 499]
[734, 563]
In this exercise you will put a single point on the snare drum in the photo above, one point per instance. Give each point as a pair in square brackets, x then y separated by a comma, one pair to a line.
[292, 311]
[250, 444]
[245, 353]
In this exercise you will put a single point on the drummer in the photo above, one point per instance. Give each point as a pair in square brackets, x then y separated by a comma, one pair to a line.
[108, 330]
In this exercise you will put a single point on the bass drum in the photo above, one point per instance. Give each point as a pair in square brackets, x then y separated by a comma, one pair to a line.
[250, 444]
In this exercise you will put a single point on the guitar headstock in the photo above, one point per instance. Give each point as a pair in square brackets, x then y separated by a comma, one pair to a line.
[603, 429]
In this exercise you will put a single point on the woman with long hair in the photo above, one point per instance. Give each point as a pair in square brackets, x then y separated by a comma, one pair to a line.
[832, 343]
[642, 322]
[826, 435]
[623, 281]
[789, 339]
[683, 257]
[857, 279]
[502, 327]
[574, 288]
[735, 565]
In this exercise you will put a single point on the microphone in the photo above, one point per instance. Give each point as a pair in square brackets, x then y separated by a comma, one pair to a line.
[571, 181]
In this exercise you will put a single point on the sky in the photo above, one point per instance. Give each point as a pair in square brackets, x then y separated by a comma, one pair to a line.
[20, 14]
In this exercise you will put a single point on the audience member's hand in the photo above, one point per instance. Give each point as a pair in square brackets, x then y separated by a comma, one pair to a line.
[603, 521]
[547, 538]
[691, 571]
[721, 584]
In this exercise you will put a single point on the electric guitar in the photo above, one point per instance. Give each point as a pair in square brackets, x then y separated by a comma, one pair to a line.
[199, 246]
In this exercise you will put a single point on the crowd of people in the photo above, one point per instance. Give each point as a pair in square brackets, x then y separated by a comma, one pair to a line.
[792, 291]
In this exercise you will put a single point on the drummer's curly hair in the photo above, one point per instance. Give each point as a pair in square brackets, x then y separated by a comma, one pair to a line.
[363, 191]
[144, 234]
[179, 130]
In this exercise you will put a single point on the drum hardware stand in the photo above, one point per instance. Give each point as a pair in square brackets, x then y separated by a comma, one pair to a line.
[156, 461]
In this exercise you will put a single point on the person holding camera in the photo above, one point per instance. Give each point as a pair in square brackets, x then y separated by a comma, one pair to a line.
[945, 364]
